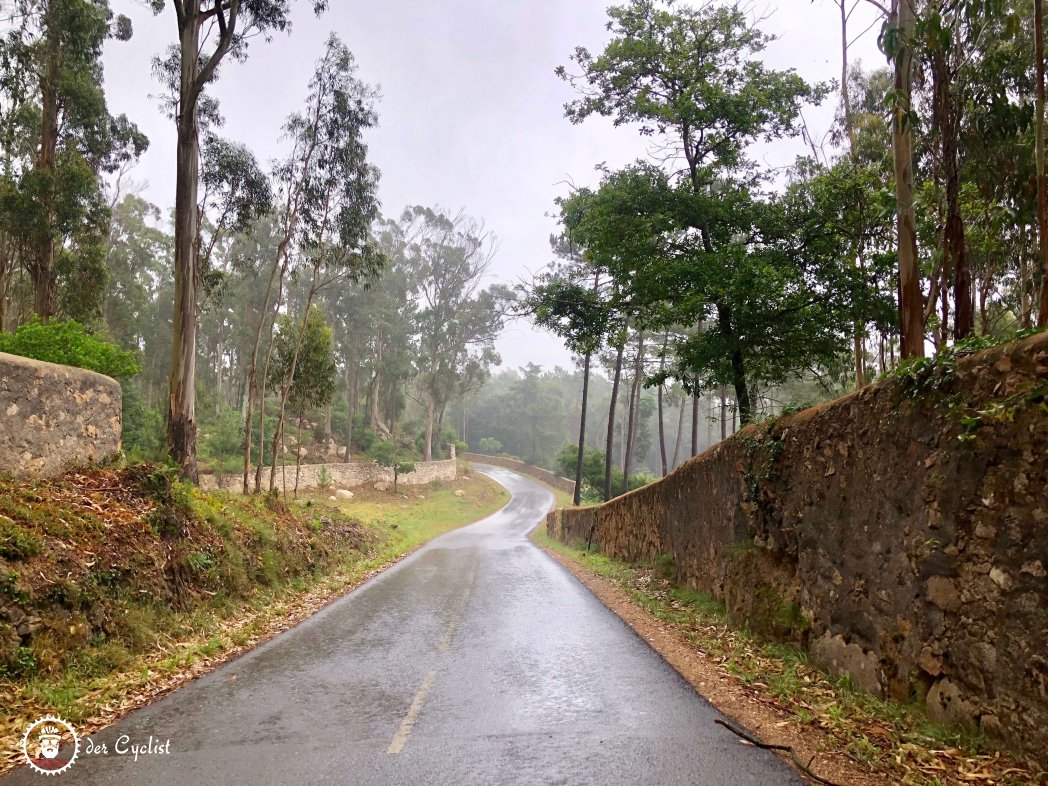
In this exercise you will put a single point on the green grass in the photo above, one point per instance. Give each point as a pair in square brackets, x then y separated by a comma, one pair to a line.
[407, 521]
[252, 575]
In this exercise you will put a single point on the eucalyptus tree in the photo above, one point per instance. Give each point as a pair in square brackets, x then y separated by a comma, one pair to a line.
[208, 32]
[1042, 174]
[692, 77]
[339, 191]
[304, 354]
[139, 255]
[326, 196]
[567, 300]
[457, 319]
[898, 42]
[59, 141]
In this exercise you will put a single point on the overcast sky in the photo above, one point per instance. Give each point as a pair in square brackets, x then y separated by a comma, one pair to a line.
[470, 115]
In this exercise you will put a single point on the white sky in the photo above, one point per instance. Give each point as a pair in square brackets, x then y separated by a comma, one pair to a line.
[471, 114]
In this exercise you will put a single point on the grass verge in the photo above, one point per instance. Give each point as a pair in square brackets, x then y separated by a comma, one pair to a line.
[117, 587]
[889, 742]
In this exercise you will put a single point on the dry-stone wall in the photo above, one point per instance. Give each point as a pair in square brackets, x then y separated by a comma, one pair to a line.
[547, 477]
[900, 534]
[55, 417]
[345, 475]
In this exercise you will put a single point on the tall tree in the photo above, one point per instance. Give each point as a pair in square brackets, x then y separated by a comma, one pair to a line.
[52, 207]
[692, 76]
[208, 31]
[305, 355]
[457, 319]
[899, 41]
[339, 202]
[565, 302]
[1042, 176]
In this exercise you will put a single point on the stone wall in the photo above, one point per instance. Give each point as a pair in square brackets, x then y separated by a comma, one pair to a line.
[900, 534]
[55, 417]
[547, 477]
[343, 475]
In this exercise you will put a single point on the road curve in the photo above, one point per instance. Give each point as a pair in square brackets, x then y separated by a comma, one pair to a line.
[476, 660]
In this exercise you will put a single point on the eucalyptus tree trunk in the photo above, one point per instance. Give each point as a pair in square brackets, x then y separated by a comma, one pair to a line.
[1042, 176]
[858, 345]
[911, 306]
[253, 388]
[680, 431]
[632, 425]
[610, 443]
[955, 255]
[181, 418]
[1025, 283]
[285, 390]
[577, 497]
[695, 422]
[298, 448]
[42, 269]
[661, 392]
[431, 415]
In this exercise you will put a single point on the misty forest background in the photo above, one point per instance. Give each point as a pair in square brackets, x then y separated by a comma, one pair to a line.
[699, 289]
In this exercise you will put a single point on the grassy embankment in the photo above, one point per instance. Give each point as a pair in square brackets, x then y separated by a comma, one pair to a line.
[883, 738]
[118, 586]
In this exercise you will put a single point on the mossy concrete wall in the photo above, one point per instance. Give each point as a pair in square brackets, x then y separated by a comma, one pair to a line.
[55, 417]
[900, 534]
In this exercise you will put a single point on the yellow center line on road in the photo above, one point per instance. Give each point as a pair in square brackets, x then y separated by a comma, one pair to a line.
[401, 737]
[456, 617]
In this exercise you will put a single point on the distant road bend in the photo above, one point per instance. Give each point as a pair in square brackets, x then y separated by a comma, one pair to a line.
[476, 660]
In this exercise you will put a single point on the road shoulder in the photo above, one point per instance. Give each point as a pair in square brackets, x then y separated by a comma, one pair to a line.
[768, 722]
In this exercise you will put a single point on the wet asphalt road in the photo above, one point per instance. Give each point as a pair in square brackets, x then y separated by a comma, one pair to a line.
[476, 660]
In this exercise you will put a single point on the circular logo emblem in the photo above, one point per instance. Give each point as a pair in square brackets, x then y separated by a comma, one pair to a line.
[50, 745]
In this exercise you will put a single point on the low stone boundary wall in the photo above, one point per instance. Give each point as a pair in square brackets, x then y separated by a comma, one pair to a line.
[345, 476]
[55, 417]
[547, 477]
[900, 534]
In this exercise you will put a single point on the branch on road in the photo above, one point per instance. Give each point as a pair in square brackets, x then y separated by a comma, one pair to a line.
[805, 768]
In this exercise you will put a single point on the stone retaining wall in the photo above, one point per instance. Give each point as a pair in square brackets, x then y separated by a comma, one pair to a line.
[345, 476]
[900, 534]
[547, 477]
[55, 417]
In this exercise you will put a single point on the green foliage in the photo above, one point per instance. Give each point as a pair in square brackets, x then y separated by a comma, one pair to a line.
[323, 478]
[592, 464]
[23, 665]
[15, 542]
[59, 142]
[70, 344]
[397, 454]
[934, 379]
[923, 375]
[489, 446]
[313, 382]
[223, 437]
[363, 436]
[143, 426]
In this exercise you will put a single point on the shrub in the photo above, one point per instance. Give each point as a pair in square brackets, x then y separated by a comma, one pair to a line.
[398, 455]
[592, 465]
[70, 344]
[489, 446]
[224, 435]
[143, 426]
